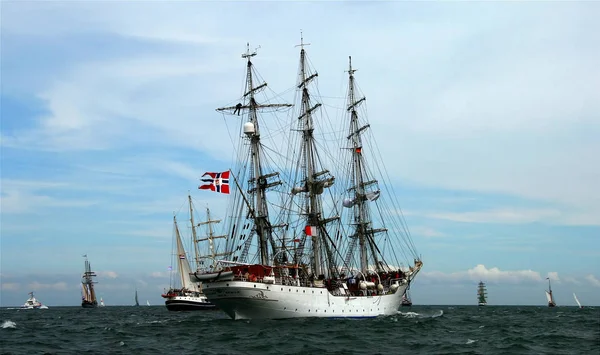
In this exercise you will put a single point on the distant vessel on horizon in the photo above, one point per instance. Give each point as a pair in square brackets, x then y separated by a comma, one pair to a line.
[137, 303]
[88, 294]
[406, 301]
[33, 303]
[481, 294]
[101, 302]
[577, 300]
[551, 302]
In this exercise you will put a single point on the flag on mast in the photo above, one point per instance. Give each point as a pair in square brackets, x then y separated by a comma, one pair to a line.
[217, 182]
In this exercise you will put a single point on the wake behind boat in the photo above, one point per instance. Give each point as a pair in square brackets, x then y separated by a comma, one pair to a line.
[313, 259]
[33, 303]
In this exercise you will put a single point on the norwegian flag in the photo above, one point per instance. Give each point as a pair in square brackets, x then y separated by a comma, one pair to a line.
[310, 230]
[218, 182]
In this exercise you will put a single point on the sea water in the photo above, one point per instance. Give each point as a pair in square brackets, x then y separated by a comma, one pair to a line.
[414, 330]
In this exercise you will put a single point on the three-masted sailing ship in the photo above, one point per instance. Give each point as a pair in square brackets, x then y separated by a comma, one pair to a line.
[549, 296]
[481, 294]
[88, 295]
[322, 249]
[189, 296]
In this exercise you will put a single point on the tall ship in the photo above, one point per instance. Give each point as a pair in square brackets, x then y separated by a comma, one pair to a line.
[481, 294]
[549, 296]
[189, 296]
[88, 294]
[300, 241]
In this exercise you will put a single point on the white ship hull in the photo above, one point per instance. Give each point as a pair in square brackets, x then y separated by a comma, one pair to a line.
[256, 300]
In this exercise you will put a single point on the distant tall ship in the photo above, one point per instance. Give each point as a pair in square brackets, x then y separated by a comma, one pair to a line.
[88, 295]
[481, 294]
[137, 303]
[549, 296]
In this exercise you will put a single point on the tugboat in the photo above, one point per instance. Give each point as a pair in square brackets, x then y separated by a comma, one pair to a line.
[33, 303]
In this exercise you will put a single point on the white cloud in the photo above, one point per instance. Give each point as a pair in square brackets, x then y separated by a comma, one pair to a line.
[426, 232]
[482, 273]
[161, 274]
[506, 215]
[23, 196]
[593, 280]
[109, 274]
[58, 286]
[553, 275]
[502, 124]
[572, 280]
[9, 286]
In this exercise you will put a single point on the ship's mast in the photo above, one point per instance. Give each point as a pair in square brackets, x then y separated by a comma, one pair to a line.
[362, 216]
[88, 280]
[258, 180]
[194, 236]
[211, 237]
[314, 182]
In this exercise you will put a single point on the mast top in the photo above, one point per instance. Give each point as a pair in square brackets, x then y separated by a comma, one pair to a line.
[248, 54]
[302, 44]
[350, 70]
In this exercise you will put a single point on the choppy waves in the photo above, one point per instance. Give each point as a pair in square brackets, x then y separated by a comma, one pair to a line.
[431, 330]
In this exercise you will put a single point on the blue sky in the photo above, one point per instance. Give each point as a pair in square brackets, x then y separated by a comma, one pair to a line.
[487, 113]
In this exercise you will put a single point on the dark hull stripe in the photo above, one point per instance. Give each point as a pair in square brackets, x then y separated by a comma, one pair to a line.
[182, 305]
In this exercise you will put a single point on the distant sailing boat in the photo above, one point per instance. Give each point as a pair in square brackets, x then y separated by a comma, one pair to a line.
[137, 303]
[147, 303]
[481, 293]
[88, 295]
[576, 300]
[549, 296]
[406, 301]
[101, 302]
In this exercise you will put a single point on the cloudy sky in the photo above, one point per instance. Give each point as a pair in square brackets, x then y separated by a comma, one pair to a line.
[488, 114]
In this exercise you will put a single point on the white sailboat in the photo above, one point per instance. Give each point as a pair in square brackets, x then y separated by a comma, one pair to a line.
[312, 258]
[147, 303]
[576, 300]
[101, 302]
[549, 296]
[189, 297]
